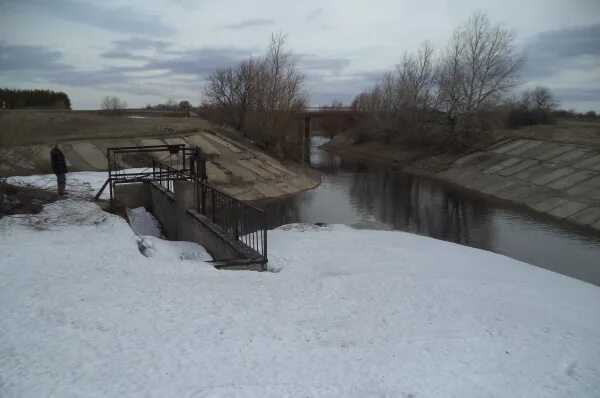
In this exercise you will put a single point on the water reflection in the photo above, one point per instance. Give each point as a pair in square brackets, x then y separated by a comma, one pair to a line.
[368, 195]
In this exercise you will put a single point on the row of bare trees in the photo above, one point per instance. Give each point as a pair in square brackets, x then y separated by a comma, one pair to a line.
[534, 106]
[113, 104]
[465, 80]
[261, 96]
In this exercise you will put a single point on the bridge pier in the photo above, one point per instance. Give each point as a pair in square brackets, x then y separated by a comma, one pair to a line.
[306, 140]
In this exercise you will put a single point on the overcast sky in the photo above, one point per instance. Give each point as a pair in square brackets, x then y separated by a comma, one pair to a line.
[149, 51]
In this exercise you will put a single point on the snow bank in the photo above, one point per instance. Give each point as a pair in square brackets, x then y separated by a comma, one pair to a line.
[172, 250]
[80, 184]
[351, 314]
[151, 243]
[68, 212]
[143, 223]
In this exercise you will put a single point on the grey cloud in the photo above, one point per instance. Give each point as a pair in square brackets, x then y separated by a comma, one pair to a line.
[200, 62]
[121, 19]
[553, 51]
[47, 63]
[30, 58]
[312, 63]
[118, 54]
[325, 89]
[249, 23]
[578, 94]
[140, 43]
[125, 49]
[315, 13]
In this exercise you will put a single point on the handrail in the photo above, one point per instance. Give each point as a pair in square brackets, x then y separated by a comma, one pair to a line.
[239, 221]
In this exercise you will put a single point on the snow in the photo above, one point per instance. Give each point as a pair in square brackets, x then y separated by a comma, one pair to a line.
[351, 313]
[143, 222]
[80, 184]
[172, 250]
[151, 243]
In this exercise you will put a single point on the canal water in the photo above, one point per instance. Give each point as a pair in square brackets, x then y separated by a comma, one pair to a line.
[369, 195]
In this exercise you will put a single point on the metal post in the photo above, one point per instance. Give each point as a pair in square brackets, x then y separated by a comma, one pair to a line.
[203, 197]
[112, 201]
[214, 214]
[236, 231]
[265, 236]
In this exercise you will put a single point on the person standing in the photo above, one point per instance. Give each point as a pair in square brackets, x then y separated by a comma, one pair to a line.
[59, 167]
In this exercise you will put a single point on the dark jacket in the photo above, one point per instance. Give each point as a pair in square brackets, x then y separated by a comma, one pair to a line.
[59, 165]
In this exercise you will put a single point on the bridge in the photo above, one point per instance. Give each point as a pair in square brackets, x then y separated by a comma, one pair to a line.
[342, 118]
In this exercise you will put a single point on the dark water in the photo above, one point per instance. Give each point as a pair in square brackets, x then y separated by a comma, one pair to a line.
[369, 195]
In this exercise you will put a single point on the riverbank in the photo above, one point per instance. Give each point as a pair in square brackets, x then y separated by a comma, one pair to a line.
[235, 166]
[558, 178]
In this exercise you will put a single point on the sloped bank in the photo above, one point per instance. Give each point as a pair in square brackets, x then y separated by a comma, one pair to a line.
[561, 180]
[237, 168]
[558, 179]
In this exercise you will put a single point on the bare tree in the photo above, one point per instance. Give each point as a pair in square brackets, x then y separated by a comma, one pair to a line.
[261, 96]
[451, 77]
[542, 99]
[480, 66]
[113, 104]
[535, 106]
[417, 78]
[233, 89]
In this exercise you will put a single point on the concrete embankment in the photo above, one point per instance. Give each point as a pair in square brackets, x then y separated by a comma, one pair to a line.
[562, 180]
[558, 179]
[236, 168]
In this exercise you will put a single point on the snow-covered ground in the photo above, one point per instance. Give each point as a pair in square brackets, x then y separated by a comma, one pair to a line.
[80, 184]
[345, 313]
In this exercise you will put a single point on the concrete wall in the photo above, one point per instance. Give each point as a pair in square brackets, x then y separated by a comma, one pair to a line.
[133, 195]
[163, 208]
[181, 222]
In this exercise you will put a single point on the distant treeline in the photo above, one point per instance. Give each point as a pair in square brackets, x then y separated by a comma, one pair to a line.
[34, 99]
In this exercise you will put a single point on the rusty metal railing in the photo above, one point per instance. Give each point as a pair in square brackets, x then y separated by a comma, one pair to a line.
[239, 221]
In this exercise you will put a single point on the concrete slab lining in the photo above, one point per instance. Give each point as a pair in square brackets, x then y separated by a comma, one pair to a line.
[199, 141]
[248, 164]
[571, 179]
[558, 150]
[265, 166]
[549, 204]
[533, 153]
[510, 146]
[586, 217]
[585, 186]
[567, 209]
[533, 171]
[523, 165]
[572, 156]
[472, 158]
[224, 143]
[502, 165]
[92, 155]
[552, 176]
[492, 161]
[591, 163]
[216, 175]
[525, 147]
